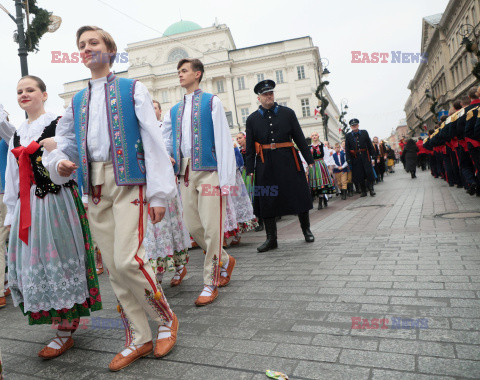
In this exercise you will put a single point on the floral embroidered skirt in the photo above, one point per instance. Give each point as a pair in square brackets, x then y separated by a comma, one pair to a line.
[166, 243]
[53, 278]
[319, 178]
[239, 213]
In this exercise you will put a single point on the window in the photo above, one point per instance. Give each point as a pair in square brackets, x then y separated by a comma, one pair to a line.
[177, 54]
[241, 83]
[220, 87]
[279, 75]
[244, 113]
[283, 103]
[301, 72]
[229, 116]
[260, 77]
[305, 107]
[165, 96]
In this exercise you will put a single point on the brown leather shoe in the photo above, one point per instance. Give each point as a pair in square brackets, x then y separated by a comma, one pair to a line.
[3, 302]
[205, 300]
[65, 344]
[165, 345]
[120, 361]
[225, 280]
[176, 282]
[7, 292]
[99, 271]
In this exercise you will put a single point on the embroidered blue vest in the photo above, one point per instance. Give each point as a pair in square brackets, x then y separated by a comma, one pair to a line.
[339, 161]
[125, 141]
[203, 154]
[3, 164]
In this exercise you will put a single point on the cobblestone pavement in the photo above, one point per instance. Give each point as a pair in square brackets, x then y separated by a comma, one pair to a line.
[397, 255]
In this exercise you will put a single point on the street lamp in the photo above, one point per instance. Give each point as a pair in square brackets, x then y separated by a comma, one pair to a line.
[22, 48]
[325, 72]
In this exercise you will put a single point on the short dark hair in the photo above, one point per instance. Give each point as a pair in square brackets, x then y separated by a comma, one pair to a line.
[196, 64]
[40, 83]
[465, 100]
[443, 118]
[430, 132]
[472, 93]
[457, 105]
[157, 103]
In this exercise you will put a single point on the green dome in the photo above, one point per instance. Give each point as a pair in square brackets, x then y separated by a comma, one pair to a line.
[181, 27]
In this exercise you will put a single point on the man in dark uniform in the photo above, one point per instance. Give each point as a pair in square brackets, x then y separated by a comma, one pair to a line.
[281, 186]
[360, 153]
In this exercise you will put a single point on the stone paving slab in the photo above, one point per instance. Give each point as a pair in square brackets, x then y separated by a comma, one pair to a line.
[290, 310]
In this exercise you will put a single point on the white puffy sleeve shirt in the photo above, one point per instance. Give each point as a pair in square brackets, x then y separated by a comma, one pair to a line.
[160, 176]
[27, 132]
[226, 164]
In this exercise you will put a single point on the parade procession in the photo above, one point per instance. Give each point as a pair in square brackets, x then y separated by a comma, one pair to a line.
[180, 201]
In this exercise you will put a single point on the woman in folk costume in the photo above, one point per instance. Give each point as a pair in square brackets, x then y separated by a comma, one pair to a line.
[239, 216]
[319, 176]
[167, 242]
[50, 256]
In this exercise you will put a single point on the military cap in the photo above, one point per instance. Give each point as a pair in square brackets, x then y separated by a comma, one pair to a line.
[264, 86]
[353, 122]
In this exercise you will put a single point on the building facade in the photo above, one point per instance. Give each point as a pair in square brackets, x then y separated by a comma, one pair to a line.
[230, 73]
[446, 73]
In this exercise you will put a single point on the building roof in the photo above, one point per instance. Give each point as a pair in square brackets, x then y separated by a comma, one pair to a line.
[434, 19]
[181, 26]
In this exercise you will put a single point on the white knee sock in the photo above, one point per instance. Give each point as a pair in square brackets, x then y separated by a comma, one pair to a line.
[64, 335]
[164, 331]
[207, 290]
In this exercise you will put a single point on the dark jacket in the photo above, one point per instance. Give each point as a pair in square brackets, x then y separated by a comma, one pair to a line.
[280, 188]
[360, 153]
[409, 156]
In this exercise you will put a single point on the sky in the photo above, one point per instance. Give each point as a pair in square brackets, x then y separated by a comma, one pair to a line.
[376, 92]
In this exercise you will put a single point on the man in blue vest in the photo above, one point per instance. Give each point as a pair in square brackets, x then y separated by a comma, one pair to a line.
[198, 138]
[110, 134]
[6, 132]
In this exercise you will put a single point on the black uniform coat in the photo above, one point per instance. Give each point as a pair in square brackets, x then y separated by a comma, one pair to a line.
[409, 156]
[361, 161]
[280, 189]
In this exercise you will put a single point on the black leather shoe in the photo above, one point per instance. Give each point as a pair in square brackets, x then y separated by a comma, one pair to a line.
[309, 238]
[270, 243]
[372, 193]
[363, 194]
[259, 227]
[472, 189]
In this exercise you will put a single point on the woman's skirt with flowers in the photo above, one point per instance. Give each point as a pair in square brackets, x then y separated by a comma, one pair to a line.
[53, 278]
[166, 243]
[239, 213]
[319, 179]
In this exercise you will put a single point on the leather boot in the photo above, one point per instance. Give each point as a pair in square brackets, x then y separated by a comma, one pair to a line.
[364, 190]
[320, 202]
[344, 195]
[350, 189]
[271, 242]
[304, 219]
[260, 225]
[357, 188]
[370, 187]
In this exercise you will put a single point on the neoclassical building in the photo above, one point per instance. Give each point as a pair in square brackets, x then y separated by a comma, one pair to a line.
[446, 74]
[230, 73]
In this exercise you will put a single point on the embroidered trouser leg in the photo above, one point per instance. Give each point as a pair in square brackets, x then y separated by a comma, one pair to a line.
[118, 217]
[3, 244]
[204, 214]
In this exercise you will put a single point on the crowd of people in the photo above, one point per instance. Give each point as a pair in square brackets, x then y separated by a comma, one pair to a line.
[453, 147]
[110, 177]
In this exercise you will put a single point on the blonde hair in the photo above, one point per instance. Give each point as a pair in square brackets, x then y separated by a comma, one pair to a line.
[106, 37]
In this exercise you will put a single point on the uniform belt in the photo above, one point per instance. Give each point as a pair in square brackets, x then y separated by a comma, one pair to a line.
[260, 147]
[354, 152]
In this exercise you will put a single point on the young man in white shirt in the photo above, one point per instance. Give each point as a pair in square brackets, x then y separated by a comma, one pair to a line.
[110, 134]
[197, 136]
